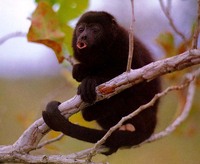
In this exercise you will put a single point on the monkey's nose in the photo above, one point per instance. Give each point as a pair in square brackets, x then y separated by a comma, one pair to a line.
[84, 37]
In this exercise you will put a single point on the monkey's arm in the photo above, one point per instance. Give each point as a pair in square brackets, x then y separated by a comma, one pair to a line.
[80, 71]
[87, 87]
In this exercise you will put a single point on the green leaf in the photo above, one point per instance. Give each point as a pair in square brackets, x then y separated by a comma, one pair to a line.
[51, 2]
[71, 9]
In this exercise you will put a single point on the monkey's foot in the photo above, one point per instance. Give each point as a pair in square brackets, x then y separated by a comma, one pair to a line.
[127, 127]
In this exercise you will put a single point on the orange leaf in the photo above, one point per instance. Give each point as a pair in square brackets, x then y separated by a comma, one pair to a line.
[46, 29]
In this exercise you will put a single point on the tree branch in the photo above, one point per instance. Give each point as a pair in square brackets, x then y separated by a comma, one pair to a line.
[126, 80]
[32, 136]
[50, 141]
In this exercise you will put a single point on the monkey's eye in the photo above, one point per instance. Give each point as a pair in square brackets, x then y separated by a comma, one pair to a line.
[95, 29]
[80, 29]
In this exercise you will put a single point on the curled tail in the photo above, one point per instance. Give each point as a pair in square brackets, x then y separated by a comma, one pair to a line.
[56, 121]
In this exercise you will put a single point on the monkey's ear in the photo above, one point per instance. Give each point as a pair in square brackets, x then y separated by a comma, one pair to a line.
[114, 28]
[114, 22]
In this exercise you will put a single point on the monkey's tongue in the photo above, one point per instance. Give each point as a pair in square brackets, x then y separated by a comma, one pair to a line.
[81, 45]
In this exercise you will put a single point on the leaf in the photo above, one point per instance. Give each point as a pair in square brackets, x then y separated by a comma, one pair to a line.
[51, 27]
[74, 9]
[52, 2]
[46, 29]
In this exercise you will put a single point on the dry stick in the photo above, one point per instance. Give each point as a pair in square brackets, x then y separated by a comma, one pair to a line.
[168, 130]
[196, 33]
[131, 39]
[171, 22]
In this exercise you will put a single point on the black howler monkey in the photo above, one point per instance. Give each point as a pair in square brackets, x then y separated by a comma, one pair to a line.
[101, 46]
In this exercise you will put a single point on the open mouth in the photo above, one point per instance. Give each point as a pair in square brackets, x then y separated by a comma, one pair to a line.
[81, 45]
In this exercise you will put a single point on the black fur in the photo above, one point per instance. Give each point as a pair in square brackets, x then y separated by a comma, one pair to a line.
[104, 57]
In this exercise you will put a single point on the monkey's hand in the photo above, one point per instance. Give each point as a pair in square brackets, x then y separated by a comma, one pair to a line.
[87, 89]
[80, 71]
[52, 116]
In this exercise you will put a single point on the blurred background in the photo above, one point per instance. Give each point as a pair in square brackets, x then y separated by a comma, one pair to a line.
[30, 77]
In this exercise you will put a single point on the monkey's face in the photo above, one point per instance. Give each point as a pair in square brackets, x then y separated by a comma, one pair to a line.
[88, 36]
[93, 37]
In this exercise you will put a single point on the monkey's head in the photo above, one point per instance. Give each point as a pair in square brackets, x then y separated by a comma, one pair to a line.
[93, 35]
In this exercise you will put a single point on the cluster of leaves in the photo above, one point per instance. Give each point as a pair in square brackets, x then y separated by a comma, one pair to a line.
[50, 24]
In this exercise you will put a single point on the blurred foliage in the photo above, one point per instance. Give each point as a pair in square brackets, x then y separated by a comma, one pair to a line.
[168, 44]
[50, 24]
[171, 47]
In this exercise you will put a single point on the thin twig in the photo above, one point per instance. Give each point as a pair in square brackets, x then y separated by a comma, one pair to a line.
[197, 29]
[169, 5]
[185, 112]
[166, 11]
[50, 141]
[131, 39]
[70, 59]
[12, 35]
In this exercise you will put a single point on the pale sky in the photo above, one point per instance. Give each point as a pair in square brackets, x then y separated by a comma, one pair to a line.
[18, 57]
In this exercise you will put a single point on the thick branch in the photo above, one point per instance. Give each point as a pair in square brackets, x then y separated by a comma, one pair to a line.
[126, 80]
[32, 136]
